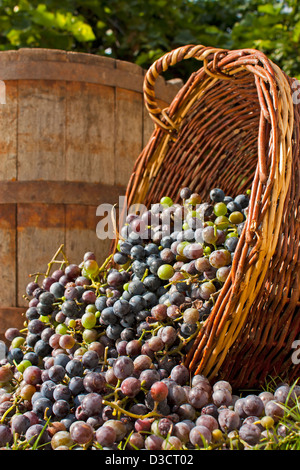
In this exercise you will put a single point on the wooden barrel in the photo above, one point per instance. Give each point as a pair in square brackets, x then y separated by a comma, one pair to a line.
[71, 129]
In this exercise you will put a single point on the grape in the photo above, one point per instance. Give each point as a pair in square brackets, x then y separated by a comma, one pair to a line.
[220, 258]
[176, 395]
[281, 393]
[220, 208]
[274, 409]
[118, 426]
[191, 315]
[222, 222]
[75, 386]
[94, 382]
[131, 386]
[159, 312]
[90, 359]
[250, 433]
[242, 200]
[61, 359]
[47, 388]
[123, 367]
[209, 235]
[36, 434]
[236, 217]
[207, 289]
[74, 368]
[222, 397]
[168, 335]
[81, 432]
[148, 377]
[6, 374]
[42, 406]
[193, 251]
[266, 396]
[222, 273]
[267, 422]
[221, 385]
[230, 243]
[200, 436]
[133, 347]
[228, 420]
[92, 404]
[159, 391]
[156, 343]
[172, 443]
[27, 392]
[202, 264]
[106, 436]
[32, 375]
[61, 408]
[182, 432]
[153, 442]
[165, 272]
[253, 406]
[61, 438]
[180, 374]
[136, 441]
[198, 398]
[56, 373]
[217, 195]
[61, 392]
[185, 193]
[19, 424]
[208, 421]
[239, 407]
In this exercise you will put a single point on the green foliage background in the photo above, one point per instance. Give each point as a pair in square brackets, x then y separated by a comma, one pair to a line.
[140, 31]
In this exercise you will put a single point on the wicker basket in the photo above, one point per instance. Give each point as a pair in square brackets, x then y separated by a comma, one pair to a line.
[234, 125]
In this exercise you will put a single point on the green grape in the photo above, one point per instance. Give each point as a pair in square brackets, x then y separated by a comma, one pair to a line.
[61, 329]
[231, 234]
[125, 286]
[185, 226]
[165, 272]
[88, 320]
[23, 365]
[17, 341]
[72, 323]
[91, 308]
[220, 209]
[166, 201]
[222, 222]
[207, 250]
[91, 267]
[44, 318]
[89, 335]
[236, 217]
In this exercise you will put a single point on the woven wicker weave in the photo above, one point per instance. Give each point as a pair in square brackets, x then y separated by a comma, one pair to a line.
[234, 125]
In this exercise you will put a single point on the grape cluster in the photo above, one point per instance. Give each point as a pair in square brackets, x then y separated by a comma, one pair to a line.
[100, 361]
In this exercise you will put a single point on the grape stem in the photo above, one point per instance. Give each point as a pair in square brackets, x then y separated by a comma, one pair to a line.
[151, 414]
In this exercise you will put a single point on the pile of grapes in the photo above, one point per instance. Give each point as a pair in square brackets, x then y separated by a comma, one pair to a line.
[100, 361]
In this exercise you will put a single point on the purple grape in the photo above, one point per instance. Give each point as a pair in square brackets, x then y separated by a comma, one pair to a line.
[250, 433]
[200, 436]
[228, 420]
[123, 367]
[106, 436]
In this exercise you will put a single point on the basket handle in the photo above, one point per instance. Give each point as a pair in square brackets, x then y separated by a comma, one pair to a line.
[162, 64]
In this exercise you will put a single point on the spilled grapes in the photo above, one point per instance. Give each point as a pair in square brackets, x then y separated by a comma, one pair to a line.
[99, 363]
